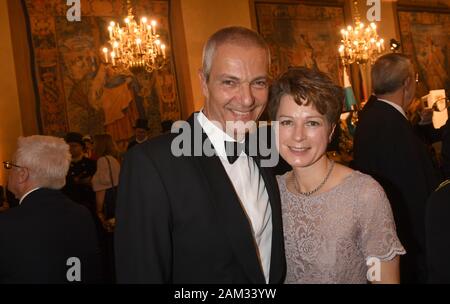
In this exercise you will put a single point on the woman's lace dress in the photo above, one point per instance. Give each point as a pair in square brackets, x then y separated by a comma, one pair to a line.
[330, 236]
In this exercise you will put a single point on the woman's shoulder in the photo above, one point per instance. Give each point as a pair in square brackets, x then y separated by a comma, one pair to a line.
[369, 192]
[105, 159]
[344, 172]
[354, 181]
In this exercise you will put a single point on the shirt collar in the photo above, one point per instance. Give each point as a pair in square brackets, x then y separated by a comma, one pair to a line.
[396, 106]
[141, 141]
[26, 194]
[215, 134]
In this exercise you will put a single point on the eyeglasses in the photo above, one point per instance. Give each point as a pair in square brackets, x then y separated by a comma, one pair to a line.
[9, 165]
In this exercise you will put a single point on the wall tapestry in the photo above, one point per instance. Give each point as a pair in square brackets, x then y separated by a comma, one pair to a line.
[425, 36]
[302, 35]
[76, 90]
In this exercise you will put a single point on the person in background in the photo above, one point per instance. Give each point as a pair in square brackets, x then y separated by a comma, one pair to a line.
[89, 147]
[4, 205]
[78, 182]
[104, 184]
[47, 234]
[437, 229]
[387, 148]
[445, 151]
[335, 220]
[141, 133]
[166, 126]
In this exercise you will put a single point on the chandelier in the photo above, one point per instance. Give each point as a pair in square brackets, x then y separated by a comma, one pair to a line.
[360, 43]
[136, 46]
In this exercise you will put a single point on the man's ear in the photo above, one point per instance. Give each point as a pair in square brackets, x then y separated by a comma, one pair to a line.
[203, 83]
[23, 175]
[407, 81]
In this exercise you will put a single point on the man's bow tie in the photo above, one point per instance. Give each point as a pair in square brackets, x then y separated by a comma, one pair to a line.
[233, 149]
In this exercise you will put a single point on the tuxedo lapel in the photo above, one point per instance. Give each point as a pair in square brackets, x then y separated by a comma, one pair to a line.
[229, 211]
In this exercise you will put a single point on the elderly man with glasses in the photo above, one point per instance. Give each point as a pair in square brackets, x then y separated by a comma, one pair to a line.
[47, 238]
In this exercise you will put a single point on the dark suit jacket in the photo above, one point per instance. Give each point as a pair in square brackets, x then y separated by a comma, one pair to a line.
[438, 235]
[38, 237]
[179, 220]
[446, 149]
[386, 147]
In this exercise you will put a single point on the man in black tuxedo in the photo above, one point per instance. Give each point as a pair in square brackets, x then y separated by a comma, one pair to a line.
[446, 149]
[141, 133]
[437, 225]
[204, 217]
[47, 238]
[386, 147]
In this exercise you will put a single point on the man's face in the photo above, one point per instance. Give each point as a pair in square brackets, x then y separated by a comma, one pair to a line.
[237, 89]
[140, 134]
[76, 149]
[16, 177]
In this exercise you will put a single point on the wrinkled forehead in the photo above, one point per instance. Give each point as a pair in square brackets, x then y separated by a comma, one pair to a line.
[238, 59]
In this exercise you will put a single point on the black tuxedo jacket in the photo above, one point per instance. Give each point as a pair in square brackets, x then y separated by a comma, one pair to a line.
[179, 219]
[445, 152]
[40, 235]
[386, 147]
[437, 225]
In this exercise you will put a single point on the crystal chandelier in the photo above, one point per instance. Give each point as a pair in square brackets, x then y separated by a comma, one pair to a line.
[136, 46]
[360, 43]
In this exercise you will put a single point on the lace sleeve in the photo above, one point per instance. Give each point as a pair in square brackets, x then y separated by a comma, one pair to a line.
[378, 236]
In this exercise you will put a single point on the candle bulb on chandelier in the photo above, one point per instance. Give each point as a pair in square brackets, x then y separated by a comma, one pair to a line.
[158, 47]
[153, 27]
[105, 52]
[163, 49]
[341, 50]
[113, 55]
[116, 48]
[143, 22]
[110, 29]
[138, 43]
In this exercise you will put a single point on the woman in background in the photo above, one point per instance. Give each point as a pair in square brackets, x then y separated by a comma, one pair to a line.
[337, 221]
[104, 184]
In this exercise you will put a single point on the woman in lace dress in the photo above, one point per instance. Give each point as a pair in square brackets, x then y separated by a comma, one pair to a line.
[338, 223]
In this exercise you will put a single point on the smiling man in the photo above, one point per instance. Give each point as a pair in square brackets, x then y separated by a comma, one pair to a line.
[208, 218]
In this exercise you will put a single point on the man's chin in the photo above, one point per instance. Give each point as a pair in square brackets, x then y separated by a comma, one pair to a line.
[240, 127]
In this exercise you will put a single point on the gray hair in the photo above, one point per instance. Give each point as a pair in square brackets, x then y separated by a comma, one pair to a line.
[390, 72]
[47, 159]
[236, 35]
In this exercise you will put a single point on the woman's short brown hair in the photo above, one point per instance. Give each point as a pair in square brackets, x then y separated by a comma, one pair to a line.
[105, 145]
[308, 86]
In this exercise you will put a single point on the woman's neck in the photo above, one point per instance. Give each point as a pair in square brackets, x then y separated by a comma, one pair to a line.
[309, 178]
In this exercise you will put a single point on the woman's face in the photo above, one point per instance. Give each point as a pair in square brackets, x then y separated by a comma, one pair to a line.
[304, 133]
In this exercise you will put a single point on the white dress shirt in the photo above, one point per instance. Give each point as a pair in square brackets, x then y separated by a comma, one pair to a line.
[396, 106]
[250, 188]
